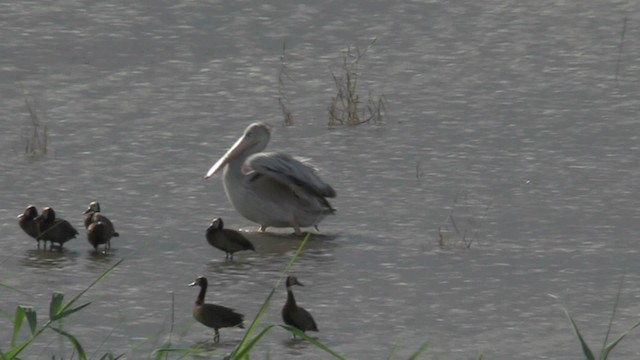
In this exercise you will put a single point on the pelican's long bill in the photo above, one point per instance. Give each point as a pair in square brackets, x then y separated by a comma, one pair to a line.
[240, 146]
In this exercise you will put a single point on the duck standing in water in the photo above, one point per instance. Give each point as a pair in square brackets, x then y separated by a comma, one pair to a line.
[272, 188]
[294, 315]
[212, 315]
[27, 221]
[226, 240]
[54, 229]
[100, 229]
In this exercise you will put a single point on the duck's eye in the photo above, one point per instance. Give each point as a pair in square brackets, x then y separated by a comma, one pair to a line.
[249, 134]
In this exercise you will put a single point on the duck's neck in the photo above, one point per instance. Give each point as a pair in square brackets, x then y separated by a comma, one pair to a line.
[203, 291]
[291, 300]
[88, 219]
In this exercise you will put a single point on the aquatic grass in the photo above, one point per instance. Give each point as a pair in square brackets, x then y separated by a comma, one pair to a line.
[346, 107]
[36, 139]
[620, 47]
[463, 228]
[423, 347]
[282, 74]
[607, 346]
[246, 345]
[58, 310]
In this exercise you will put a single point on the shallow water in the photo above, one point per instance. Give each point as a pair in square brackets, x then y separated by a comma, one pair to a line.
[504, 117]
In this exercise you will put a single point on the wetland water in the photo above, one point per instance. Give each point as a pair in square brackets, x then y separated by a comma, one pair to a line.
[510, 109]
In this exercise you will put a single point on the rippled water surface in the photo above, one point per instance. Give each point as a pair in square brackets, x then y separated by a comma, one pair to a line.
[506, 129]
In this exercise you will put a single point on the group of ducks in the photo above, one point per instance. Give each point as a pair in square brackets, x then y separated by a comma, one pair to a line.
[47, 227]
[218, 316]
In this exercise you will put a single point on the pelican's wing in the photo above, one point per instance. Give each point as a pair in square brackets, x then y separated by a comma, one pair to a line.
[289, 171]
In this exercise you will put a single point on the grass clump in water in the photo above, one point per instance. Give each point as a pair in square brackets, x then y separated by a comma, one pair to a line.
[461, 228]
[282, 99]
[346, 108]
[36, 138]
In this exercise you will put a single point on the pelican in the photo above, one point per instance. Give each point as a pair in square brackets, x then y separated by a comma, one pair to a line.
[272, 188]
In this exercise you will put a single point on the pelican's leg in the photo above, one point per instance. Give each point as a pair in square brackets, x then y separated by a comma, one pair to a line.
[216, 337]
[263, 228]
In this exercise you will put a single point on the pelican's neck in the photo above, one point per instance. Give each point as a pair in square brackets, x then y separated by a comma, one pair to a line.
[234, 166]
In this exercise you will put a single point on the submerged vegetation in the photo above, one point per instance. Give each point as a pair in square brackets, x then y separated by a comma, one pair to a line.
[346, 107]
[283, 74]
[36, 137]
[461, 228]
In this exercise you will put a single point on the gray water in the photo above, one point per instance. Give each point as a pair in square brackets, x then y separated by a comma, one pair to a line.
[506, 129]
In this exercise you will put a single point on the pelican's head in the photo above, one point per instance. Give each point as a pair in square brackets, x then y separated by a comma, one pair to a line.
[254, 139]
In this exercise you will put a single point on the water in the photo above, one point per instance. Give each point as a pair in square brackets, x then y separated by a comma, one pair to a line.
[505, 116]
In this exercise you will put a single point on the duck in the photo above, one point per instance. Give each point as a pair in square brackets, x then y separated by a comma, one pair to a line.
[294, 315]
[27, 222]
[226, 240]
[99, 233]
[272, 189]
[212, 315]
[56, 230]
[100, 229]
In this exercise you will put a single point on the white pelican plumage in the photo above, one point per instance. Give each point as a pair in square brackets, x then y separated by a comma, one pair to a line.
[272, 188]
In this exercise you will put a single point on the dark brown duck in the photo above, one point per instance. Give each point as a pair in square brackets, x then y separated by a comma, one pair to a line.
[54, 229]
[27, 221]
[212, 315]
[227, 240]
[294, 315]
[100, 229]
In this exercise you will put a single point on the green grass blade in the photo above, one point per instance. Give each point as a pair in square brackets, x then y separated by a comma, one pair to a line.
[55, 308]
[392, 355]
[420, 350]
[613, 314]
[159, 354]
[66, 313]
[102, 276]
[607, 348]
[17, 324]
[244, 352]
[32, 318]
[55, 304]
[256, 320]
[585, 348]
[12, 288]
[313, 341]
[76, 344]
